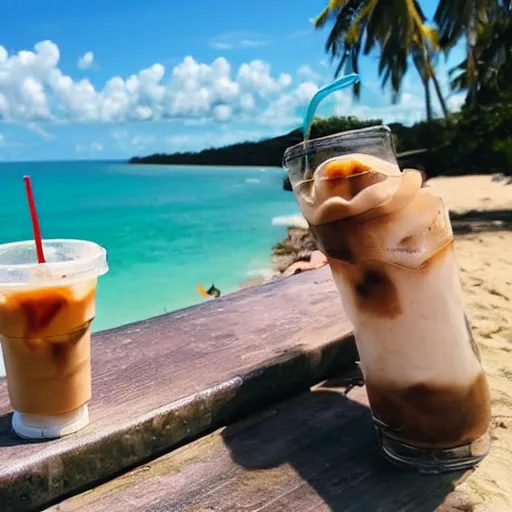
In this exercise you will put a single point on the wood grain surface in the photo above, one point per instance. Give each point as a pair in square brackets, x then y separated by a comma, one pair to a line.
[161, 382]
[315, 452]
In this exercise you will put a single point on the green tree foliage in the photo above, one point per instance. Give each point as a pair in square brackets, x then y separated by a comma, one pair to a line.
[323, 127]
[486, 26]
[482, 140]
[487, 70]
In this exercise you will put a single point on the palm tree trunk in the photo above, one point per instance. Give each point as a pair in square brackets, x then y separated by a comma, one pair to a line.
[471, 96]
[420, 60]
[432, 74]
[439, 94]
[428, 99]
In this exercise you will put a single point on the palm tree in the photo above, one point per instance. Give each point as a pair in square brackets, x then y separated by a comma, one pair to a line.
[487, 27]
[397, 28]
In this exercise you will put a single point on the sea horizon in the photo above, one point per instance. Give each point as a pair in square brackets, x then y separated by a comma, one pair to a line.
[126, 161]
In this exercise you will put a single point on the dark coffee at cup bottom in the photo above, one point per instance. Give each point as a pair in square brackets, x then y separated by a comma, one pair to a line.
[432, 415]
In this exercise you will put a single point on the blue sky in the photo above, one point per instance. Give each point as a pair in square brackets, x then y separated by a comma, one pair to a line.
[84, 79]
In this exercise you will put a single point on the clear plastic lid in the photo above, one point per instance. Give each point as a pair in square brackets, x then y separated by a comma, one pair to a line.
[66, 261]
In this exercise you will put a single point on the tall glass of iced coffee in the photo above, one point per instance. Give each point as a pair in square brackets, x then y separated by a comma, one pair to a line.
[46, 311]
[389, 243]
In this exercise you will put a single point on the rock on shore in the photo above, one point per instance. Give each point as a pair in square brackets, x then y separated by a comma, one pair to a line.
[296, 246]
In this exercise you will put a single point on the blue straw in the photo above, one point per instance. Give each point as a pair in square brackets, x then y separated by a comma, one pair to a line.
[340, 83]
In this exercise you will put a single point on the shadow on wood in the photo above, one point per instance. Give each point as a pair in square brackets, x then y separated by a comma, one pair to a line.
[329, 441]
[317, 452]
[476, 221]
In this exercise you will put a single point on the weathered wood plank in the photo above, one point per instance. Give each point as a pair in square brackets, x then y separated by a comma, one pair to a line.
[316, 452]
[161, 382]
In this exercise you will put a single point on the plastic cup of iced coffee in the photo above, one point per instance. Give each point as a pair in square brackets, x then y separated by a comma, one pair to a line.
[46, 312]
[389, 244]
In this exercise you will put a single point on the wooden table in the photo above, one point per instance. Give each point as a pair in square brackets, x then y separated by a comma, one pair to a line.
[163, 382]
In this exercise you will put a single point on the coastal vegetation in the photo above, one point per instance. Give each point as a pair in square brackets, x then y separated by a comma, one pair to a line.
[477, 140]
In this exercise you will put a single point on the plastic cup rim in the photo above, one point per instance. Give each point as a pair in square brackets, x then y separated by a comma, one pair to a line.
[96, 261]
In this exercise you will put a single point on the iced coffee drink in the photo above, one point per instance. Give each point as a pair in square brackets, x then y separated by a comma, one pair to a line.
[389, 245]
[46, 312]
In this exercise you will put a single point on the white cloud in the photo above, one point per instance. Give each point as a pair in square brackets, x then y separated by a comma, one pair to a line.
[37, 129]
[221, 45]
[129, 142]
[247, 102]
[410, 110]
[240, 39]
[178, 143]
[33, 88]
[288, 108]
[88, 149]
[23, 81]
[222, 113]
[256, 76]
[2, 139]
[253, 43]
[142, 140]
[85, 61]
[456, 101]
[410, 107]
[306, 72]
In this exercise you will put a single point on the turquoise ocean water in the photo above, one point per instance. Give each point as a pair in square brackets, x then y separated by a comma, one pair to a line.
[165, 228]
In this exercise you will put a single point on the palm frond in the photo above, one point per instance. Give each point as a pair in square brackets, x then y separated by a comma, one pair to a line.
[396, 27]
[336, 40]
[342, 63]
[357, 24]
[456, 18]
[414, 13]
[488, 65]
[431, 37]
[322, 18]
[393, 65]
[332, 7]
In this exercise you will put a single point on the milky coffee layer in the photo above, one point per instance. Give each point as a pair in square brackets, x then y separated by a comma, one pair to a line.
[389, 245]
[45, 335]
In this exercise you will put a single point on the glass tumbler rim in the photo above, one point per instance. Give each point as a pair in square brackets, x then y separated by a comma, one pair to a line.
[306, 147]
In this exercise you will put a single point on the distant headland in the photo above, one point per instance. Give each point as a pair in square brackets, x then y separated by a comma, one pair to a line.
[461, 143]
[266, 152]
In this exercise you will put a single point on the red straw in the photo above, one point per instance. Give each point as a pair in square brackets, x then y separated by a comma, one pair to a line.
[35, 221]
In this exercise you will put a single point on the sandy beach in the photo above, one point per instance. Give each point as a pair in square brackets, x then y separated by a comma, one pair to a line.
[482, 220]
